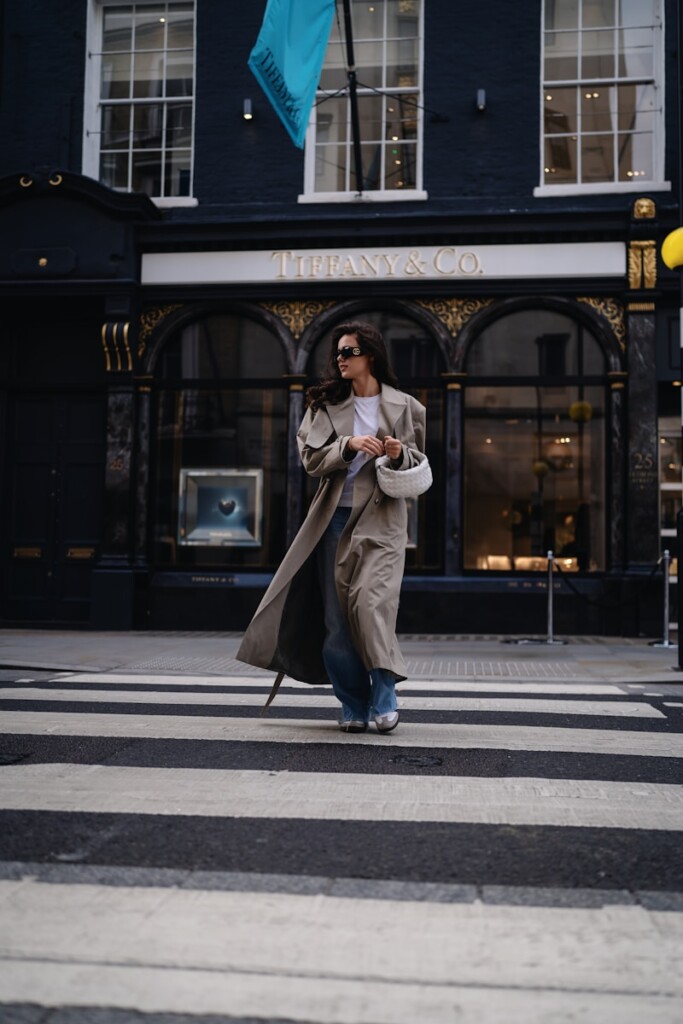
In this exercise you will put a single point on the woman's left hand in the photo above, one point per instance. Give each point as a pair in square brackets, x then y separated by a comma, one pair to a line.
[392, 447]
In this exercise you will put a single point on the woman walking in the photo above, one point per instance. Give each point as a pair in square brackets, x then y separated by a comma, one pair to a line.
[329, 614]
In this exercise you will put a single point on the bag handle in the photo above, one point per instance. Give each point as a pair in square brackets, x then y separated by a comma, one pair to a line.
[271, 696]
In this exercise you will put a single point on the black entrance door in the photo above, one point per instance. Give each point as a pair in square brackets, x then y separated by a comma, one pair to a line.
[52, 513]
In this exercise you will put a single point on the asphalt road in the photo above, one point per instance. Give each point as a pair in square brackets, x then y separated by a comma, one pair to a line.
[511, 853]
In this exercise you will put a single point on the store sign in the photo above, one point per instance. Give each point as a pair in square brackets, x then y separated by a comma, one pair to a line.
[428, 263]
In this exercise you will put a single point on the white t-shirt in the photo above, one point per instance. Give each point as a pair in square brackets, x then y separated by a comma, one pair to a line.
[365, 421]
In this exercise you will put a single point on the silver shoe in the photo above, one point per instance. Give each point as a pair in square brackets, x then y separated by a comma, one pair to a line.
[353, 725]
[385, 723]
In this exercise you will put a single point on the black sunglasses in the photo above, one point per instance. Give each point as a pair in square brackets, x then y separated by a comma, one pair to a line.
[347, 351]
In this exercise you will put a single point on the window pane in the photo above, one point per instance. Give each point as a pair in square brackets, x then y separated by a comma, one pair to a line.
[635, 12]
[179, 71]
[402, 18]
[180, 32]
[400, 166]
[149, 126]
[115, 127]
[598, 13]
[560, 159]
[370, 110]
[534, 478]
[636, 107]
[116, 76]
[150, 26]
[598, 112]
[117, 28]
[561, 56]
[146, 172]
[367, 19]
[114, 170]
[402, 63]
[597, 158]
[635, 156]
[636, 53]
[177, 176]
[561, 14]
[369, 64]
[535, 342]
[401, 115]
[149, 75]
[560, 110]
[597, 59]
[179, 125]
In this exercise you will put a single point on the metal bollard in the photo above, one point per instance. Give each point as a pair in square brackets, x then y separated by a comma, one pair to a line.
[551, 594]
[549, 613]
[666, 562]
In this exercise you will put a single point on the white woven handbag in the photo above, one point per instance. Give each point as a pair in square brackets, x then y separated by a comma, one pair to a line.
[404, 483]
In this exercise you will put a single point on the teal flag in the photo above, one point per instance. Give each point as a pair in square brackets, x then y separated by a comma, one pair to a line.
[288, 57]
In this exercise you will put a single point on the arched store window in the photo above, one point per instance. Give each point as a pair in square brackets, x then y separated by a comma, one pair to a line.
[534, 470]
[418, 364]
[220, 452]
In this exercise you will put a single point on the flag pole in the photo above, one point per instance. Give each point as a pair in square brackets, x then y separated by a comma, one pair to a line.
[353, 97]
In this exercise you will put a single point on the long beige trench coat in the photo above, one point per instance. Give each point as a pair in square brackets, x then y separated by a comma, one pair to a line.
[287, 631]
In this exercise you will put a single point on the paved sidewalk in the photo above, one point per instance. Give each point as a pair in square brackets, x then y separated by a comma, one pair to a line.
[452, 657]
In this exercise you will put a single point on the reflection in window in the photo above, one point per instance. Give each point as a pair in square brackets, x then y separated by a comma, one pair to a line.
[534, 449]
[221, 405]
[387, 50]
[601, 63]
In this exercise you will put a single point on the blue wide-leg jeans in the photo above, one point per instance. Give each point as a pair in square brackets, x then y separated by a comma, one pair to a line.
[361, 693]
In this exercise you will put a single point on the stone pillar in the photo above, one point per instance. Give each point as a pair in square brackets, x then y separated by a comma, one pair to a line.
[454, 466]
[616, 519]
[642, 470]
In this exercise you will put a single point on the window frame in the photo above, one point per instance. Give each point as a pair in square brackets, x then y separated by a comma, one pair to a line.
[92, 98]
[657, 182]
[309, 195]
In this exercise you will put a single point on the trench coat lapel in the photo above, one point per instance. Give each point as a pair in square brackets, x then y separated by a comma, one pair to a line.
[391, 406]
[342, 417]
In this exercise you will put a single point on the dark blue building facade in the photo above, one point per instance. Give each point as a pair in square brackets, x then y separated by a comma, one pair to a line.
[170, 273]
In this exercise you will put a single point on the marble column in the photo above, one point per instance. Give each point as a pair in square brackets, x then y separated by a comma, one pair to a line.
[642, 489]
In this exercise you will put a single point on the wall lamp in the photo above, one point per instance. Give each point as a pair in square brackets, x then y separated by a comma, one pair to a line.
[481, 99]
[247, 112]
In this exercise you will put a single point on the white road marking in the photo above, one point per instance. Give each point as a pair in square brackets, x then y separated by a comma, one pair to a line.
[340, 796]
[309, 957]
[270, 728]
[529, 705]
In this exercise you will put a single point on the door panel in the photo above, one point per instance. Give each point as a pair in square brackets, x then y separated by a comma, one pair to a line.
[53, 516]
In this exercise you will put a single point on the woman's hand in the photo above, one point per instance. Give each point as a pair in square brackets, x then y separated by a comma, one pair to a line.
[367, 443]
[393, 448]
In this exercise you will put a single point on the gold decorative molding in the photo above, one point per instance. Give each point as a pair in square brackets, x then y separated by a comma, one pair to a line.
[297, 315]
[612, 311]
[117, 354]
[454, 313]
[642, 265]
[640, 307]
[644, 208]
[150, 320]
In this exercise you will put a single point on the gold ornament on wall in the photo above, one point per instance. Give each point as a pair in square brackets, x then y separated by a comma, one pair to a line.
[644, 208]
[642, 265]
[297, 315]
[612, 311]
[454, 313]
[150, 320]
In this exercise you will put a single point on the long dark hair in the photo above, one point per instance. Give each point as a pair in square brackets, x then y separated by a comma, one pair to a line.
[333, 389]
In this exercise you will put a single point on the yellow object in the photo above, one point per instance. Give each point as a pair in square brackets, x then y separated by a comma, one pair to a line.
[672, 249]
[580, 412]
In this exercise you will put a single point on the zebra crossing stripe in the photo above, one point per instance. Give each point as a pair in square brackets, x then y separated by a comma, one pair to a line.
[529, 705]
[291, 730]
[340, 796]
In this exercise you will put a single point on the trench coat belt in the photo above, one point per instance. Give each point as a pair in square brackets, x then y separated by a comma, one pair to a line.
[271, 696]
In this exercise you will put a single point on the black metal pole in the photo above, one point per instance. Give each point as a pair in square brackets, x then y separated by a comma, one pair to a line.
[353, 97]
[679, 518]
